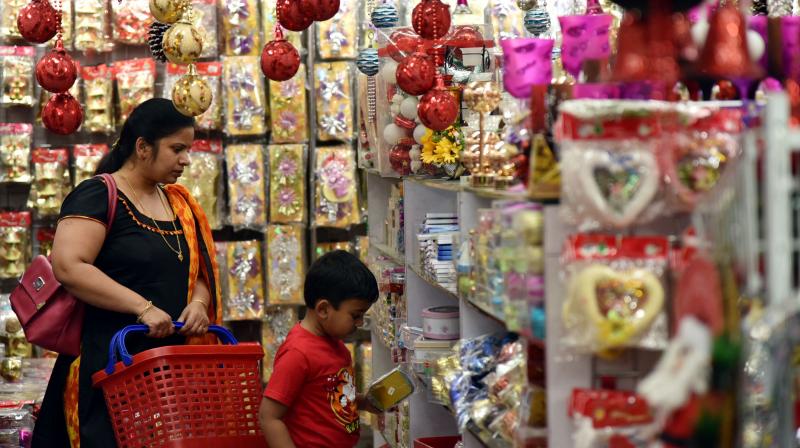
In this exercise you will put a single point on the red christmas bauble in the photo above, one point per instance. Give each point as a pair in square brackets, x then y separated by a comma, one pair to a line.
[280, 60]
[404, 42]
[467, 36]
[438, 109]
[292, 15]
[431, 19]
[37, 21]
[62, 114]
[416, 74]
[400, 159]
[56, 71]
[321, 10]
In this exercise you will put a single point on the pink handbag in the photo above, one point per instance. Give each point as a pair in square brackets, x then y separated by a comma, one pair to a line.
[51, 317]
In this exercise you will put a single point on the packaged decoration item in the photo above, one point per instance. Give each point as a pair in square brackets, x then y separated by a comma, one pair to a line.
[285, 267]
[91, 26]
[203, 178]
[508, 19]
[616, 296]
[287, 183]
[278, 320]
[245, 110]
[338, 37]
[287, 102]
[241, 27]
[131, 21]
[335, 196]
[15, 151]
[45, 237]
[210, 71]
[15, 243]
[610, 175]
[334, 104]
[17, 72]
[51, 180]
[86, 158]
[390, 389]
[324, 248]
[246, 187]
[98, 94]
[8, 23]
[136, 80]
[245, 281]
[696, 159]
[269, 19]
[601, 416]
[204, 19]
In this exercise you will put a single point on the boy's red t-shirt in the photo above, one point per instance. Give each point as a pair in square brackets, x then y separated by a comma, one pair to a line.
[313, 377]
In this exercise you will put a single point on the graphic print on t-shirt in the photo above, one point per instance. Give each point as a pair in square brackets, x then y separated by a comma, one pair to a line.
[342, 396]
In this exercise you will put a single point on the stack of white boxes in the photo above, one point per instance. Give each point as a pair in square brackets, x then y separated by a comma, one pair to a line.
[436, 241]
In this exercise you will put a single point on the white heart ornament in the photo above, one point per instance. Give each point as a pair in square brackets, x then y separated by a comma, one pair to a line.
[618, 186]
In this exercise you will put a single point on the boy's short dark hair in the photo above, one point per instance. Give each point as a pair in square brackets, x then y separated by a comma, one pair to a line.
[338, 276]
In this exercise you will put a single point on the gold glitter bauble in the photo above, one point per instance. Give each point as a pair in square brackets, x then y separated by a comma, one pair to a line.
[482, 96]
[168, 11]
[192, 95]
[182, 43]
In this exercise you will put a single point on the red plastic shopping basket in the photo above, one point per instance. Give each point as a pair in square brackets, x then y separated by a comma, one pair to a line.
[181, 396]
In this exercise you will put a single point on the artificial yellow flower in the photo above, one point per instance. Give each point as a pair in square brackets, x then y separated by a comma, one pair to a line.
[427, 155]
[446, 150]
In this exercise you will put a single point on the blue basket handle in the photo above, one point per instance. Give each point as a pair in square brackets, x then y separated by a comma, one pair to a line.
[118, 342]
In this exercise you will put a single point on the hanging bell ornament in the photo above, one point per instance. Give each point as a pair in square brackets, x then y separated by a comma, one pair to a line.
[431, 19]
[438, 109]
[62, 114]
[280, 61]
[192, 95]
[56, 71]
[537, 22]
[292, 15]
[368, 62]
[593, 7]
[526, 5]
[633, 57]
[37, 21]
[182, 43]
[725, 54]
[385, 15]
[168, 11]
[462, 8]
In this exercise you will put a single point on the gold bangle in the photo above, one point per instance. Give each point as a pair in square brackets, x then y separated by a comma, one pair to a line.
[205, 304]
[144, 311]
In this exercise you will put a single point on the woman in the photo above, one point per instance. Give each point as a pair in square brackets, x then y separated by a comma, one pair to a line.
[152, 267]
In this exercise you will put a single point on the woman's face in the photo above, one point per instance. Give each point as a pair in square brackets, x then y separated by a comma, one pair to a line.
[172, 156]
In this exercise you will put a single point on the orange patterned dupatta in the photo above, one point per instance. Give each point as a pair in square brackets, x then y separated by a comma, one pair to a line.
[202, 261]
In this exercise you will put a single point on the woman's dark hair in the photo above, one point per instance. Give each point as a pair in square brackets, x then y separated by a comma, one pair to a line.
[152, 120]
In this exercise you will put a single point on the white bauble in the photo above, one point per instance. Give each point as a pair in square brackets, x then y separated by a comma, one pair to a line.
[415, 153]
[409, 107]
[700, 32]
[392, 134]
[755, 45]
[416, 165]
[389, 72]
[419, 132]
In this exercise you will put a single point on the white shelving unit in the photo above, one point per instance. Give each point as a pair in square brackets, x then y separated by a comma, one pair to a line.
[421, 197]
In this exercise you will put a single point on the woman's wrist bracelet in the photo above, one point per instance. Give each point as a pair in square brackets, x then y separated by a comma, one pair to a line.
[144, 311]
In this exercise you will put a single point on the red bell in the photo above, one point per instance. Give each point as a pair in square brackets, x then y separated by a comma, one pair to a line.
[633, 57]
[663, 52]
[725, 54]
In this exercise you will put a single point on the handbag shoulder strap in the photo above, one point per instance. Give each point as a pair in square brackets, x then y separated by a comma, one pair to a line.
[111, 184]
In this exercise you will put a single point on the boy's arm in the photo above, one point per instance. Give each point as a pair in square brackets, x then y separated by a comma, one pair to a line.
[365, 405]
[270, 415]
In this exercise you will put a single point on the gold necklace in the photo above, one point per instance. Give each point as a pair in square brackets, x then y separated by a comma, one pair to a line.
[178, 252]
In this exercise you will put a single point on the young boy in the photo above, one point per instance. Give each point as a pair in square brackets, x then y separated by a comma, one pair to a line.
[310, 400]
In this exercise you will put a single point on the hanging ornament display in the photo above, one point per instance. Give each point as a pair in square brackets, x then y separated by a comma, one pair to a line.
[368, 61]
[56, 72]
[385, 16]
[537, 21]
[431, 19]
[438, 109]
[155, 40]
[321, 10]
[182, 43]
[192, 95]
[462, 8]
[526, 5]
[279, 60]
[62, 114]
[416, 74]
[38, 21]
[168, 11]
[725, 53]
[292, 16]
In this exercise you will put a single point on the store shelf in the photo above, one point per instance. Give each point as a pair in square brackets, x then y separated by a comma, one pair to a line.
[389, 253]
[486, 311]
[433, 283]
[543, 195]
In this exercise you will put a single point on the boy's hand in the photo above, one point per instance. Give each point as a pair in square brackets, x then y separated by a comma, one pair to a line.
[365, 405]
